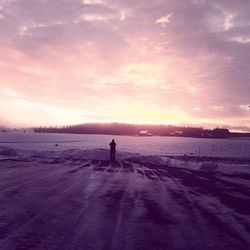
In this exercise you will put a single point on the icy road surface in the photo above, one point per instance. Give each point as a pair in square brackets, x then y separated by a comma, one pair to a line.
[73, 203]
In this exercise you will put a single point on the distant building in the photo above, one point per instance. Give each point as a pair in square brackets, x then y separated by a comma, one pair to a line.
[177, 133]
[207, 134]
[145, 133]
[221, 133]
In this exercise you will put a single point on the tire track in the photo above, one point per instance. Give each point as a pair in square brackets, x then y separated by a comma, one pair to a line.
[215, 208]
[122, 224]
[195, 213]
[63, 197]
[125, 205]
[78, 223]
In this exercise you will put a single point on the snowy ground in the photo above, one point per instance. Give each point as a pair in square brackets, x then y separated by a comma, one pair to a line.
[75, 199]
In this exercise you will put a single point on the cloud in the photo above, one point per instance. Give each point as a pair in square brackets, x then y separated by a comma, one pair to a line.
[164, 20]
[170, 56]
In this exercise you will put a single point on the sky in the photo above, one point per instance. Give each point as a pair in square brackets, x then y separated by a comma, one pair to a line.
[135, 61]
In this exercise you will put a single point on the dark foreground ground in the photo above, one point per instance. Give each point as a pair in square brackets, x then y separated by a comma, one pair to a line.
[75, 204]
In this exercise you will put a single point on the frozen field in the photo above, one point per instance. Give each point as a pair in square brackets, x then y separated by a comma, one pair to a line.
[75, 199]
[155, 145]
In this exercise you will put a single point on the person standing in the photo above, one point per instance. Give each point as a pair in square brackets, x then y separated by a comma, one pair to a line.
[112, 145]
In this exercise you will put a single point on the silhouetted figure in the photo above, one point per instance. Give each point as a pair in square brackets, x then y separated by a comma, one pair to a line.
[112, 150]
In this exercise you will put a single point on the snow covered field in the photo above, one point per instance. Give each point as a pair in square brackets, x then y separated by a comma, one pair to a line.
[76, 199]
[154, 145]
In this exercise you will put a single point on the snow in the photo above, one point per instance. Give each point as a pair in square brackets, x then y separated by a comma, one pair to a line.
[144, 145]
[76, 199]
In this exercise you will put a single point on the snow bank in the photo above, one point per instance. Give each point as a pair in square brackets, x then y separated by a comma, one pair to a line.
[220, 165]
[4, 151]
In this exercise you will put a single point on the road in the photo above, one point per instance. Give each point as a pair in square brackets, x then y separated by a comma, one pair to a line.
[73, 204]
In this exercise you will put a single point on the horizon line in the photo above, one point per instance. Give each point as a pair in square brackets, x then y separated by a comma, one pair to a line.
[203, 126]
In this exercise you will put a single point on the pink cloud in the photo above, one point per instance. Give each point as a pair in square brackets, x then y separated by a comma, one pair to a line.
[83, 59]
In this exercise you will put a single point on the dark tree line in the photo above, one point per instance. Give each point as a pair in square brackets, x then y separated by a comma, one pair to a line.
[134, 129]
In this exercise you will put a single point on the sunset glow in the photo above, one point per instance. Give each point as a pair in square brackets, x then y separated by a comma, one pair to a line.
[168, 62]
